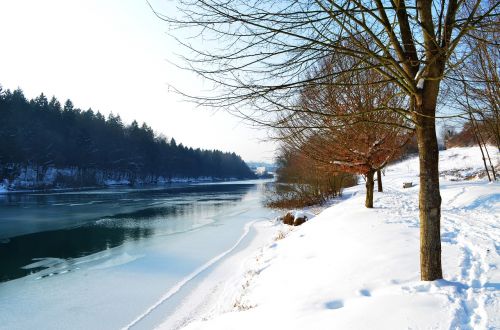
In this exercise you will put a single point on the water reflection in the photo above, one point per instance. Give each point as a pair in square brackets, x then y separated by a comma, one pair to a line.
[65, 226]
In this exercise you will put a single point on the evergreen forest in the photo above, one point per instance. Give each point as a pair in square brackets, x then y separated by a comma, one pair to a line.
[44, 133]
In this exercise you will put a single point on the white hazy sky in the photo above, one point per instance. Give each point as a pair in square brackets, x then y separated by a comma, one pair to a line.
[112, 55]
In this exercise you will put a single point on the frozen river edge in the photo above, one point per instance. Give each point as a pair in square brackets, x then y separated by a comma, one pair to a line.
[172, 241]
[214, 287]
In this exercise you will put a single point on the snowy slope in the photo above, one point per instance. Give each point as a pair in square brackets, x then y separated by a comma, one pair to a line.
[357, 268]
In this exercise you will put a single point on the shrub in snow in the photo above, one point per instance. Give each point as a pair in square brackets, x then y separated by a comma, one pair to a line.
[280, 235]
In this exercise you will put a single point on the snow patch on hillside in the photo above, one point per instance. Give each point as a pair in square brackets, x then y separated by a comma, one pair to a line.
[357, 268]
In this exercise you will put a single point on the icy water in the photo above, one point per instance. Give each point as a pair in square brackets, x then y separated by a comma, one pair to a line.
[99, 259]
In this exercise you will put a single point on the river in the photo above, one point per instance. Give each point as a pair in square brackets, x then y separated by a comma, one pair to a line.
[115, 258]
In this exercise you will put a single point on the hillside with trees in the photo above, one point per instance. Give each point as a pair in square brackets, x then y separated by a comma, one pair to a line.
[44, 144]
[264, 54]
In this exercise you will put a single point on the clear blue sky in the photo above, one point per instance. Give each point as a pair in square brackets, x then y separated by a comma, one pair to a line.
[112, 55]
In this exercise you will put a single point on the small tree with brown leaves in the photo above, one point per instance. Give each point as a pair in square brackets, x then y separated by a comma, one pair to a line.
[352, 129]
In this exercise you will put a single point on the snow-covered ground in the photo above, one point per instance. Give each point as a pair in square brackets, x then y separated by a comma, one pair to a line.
[357, 268]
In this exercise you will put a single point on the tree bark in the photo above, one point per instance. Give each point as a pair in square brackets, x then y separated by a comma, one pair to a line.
[379, 181]
[370, 184]
[429, 196]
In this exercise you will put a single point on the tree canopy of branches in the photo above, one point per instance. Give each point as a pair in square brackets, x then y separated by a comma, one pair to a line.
[41, 132]
[477, 85]
[357, 131]
[258, 53]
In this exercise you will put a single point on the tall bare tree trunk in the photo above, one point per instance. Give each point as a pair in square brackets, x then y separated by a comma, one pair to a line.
[491, 164]
[370, 184]
[379, 181]
[429, 196]
[475, 130]
[481, 140]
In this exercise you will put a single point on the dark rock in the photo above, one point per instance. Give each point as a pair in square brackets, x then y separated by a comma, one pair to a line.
[288, 219]
[300, 220]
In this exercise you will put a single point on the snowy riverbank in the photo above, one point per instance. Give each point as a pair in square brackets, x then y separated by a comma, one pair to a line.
[116, 257]
[51, 179]
[357, 268]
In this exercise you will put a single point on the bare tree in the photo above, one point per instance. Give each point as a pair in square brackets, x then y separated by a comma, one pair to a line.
[257, 53]
[479, 82]
[481, 142]
[476, 91]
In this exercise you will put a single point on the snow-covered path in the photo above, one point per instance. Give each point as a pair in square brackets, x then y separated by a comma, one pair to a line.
[470, 234]
[474, 230]
[354, 268]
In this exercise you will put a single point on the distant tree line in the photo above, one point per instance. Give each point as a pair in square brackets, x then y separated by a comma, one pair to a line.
[44, 133]
[467, 135]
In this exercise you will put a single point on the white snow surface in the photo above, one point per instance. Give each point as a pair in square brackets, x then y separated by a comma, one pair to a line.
[356, 268]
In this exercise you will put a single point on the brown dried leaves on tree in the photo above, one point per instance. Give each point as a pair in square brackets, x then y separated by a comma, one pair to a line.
[349, 127]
